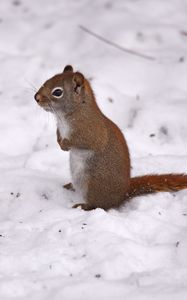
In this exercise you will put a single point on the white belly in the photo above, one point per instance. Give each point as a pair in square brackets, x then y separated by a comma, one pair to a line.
[78, 165]
[63, 126]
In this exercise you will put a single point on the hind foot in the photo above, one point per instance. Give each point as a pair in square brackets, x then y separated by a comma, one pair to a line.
[69, 186]
[84, 206]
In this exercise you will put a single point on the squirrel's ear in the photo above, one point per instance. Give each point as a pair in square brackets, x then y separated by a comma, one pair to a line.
[78, 82]
[68, 68]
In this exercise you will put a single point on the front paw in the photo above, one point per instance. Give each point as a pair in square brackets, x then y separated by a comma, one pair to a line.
[64, 144]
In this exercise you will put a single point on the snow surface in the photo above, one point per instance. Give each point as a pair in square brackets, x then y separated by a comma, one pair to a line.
[47, 249]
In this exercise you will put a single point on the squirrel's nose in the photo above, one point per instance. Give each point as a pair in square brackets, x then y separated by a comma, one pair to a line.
[37, 97]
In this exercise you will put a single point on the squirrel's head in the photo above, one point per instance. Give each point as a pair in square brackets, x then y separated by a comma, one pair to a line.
[64, 92]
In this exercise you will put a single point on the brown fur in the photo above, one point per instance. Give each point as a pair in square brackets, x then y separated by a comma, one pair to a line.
[150, 184]
[107, 173]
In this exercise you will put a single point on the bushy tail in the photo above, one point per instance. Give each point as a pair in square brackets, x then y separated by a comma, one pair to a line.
[150, 184]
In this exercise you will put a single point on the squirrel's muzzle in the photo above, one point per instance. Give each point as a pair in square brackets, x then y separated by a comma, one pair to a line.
[37, 97]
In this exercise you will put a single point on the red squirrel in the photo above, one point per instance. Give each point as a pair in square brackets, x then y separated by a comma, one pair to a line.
[99, 155]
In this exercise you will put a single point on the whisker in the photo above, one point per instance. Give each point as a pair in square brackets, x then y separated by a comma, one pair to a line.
[29, 89]
[31, 85]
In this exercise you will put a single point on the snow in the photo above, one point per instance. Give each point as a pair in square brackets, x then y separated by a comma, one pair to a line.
[47, 249]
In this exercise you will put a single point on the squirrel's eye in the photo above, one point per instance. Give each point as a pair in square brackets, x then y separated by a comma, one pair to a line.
[57, 92]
